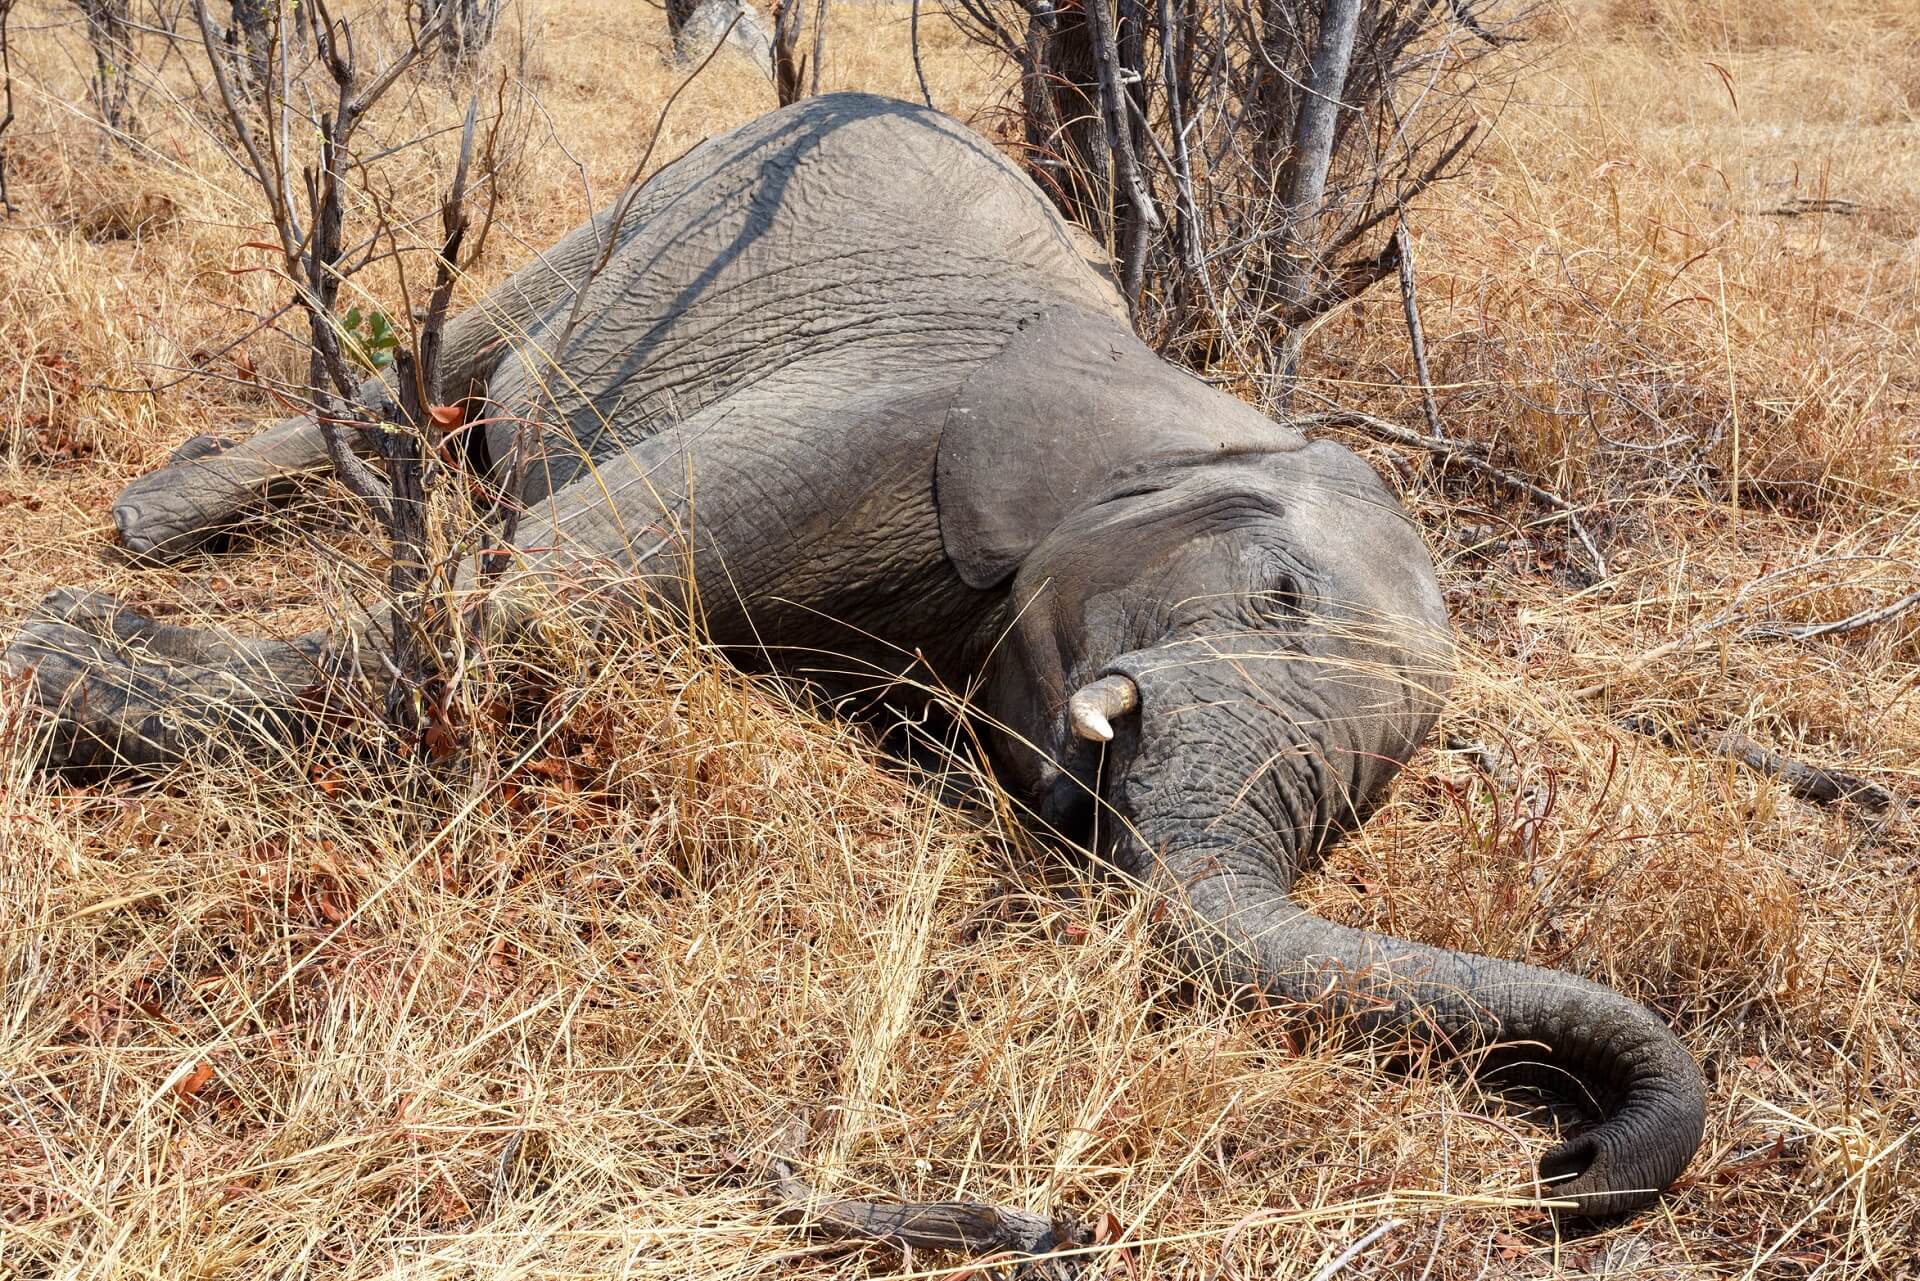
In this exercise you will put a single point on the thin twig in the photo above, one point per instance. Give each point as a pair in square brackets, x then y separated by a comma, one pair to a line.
[1416, 337]
[1732, 613]
[630, 193]
[1352, 1252]
[1855, 622]
[1473, 460]
[6, 99]
[919, 68]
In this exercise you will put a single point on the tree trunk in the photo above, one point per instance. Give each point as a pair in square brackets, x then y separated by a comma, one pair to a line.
[1066, 147]
[251, 40]
[678, 11]
[1303, 180]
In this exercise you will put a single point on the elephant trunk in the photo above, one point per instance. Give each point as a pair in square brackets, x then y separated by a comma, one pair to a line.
[1198, 830]
[1543, 1028]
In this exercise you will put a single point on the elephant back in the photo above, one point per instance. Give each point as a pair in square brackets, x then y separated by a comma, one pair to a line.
[868, 240]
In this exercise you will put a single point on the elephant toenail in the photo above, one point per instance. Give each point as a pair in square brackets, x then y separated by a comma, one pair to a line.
[124, 518]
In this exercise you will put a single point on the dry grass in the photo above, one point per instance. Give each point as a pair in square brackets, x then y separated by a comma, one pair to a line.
[510, 1023]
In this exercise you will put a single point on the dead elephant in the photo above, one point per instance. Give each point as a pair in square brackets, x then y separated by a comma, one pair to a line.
[916, 424]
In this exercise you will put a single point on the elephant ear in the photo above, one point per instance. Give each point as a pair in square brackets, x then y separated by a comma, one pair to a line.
[1071, 407]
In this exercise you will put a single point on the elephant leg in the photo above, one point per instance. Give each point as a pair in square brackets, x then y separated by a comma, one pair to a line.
[204, 491]
[122, 691]
[747, 514]
[209, 485]
[127, 691]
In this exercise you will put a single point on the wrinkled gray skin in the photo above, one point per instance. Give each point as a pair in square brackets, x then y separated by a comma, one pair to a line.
[914, 421]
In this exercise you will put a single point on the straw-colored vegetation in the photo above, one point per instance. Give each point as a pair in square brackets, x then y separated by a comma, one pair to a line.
[534, 1016]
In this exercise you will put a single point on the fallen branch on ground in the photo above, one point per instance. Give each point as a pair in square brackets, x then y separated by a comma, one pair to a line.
[1471, 457]
[1734, 612]
[967, 1227]
[1802, 205]
[1854, 622]
[1803, 781]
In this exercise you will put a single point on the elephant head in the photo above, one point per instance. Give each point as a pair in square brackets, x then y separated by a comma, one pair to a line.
[1223, 642]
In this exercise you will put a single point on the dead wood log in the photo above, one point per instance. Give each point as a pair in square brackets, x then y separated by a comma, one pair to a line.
[1812, 783]
[973, 1228]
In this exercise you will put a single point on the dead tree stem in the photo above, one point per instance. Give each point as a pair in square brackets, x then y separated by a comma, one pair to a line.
[407, 453]
[6, 101]
[789, 70]
[819, 44]
[1303, 182]
[919, 67]
[1416, 336]
[1144, 218]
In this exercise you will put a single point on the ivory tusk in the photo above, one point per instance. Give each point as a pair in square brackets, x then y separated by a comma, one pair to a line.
[1092, 708]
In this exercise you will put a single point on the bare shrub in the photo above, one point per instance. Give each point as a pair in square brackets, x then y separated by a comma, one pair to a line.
[392, 419]
[1246, 164]
[469, 25]
[110, 37]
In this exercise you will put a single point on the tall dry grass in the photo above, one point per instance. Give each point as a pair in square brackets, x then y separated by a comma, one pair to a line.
[530, 1017]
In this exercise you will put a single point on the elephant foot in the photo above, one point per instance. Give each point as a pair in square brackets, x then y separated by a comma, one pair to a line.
[186, 504]
[126, 692]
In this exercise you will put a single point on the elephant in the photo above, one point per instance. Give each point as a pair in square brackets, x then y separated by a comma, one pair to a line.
[894, 407]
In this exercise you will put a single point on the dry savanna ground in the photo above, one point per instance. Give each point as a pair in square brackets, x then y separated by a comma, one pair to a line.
[540, 1015]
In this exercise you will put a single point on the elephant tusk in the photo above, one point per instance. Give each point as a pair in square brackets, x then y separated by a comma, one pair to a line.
[1092, 708]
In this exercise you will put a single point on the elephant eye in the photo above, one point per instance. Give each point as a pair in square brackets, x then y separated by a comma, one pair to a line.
[1278, 602]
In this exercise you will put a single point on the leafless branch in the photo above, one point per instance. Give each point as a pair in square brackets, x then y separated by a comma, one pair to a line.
[309, 229]
[1119, 123]
[6, 101]
[110, 37]
[1245, 162]
[1471, 458]
[819, 44]
[1736, 611]
[919, 67]
[1416, 337]
[1855, 622]
[1811, 783]
[972, 1228]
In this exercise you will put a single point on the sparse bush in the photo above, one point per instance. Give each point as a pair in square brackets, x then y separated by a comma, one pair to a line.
[469, 28]
[110, 37]
[1246, 165]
